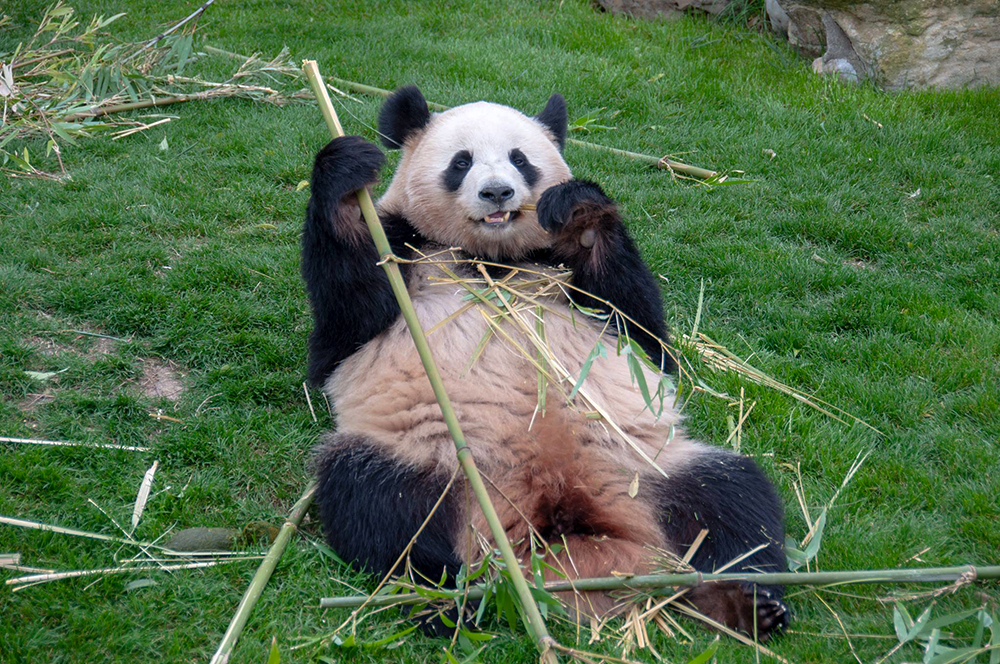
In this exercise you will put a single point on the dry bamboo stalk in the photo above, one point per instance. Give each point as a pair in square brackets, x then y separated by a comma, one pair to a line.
[33, 579]
[60, 443]
[967, 573]
[260, 578]
[533, 618]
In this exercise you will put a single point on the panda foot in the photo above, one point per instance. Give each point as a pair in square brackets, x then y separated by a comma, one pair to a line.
[754, 610]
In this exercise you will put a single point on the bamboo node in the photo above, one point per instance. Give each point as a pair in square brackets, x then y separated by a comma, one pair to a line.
[389, 258]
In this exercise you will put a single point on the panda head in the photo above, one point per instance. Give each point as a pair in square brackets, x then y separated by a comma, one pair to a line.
[466, 173]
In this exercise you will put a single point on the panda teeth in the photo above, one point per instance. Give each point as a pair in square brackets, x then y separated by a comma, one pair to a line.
[490, 219]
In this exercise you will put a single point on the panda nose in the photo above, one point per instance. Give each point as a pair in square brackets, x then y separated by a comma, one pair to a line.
[496, 193]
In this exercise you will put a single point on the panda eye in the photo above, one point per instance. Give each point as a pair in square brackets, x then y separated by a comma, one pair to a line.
[518, 161]
[460, 164]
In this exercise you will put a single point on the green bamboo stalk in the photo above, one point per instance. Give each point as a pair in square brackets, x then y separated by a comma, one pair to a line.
[260, 578]
[533, 618]
[663, 581]
[664, 163]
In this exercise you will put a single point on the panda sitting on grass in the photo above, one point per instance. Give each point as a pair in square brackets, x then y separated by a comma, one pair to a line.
[464, 180]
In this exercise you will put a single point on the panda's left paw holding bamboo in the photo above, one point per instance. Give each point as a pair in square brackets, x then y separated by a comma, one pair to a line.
[578, 213]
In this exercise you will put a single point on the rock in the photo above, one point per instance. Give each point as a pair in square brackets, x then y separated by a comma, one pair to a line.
[661, 8]
[898, 43]
[778, 17]
[840, 57]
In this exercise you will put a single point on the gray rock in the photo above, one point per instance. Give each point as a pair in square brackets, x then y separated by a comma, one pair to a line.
[898, 43]
[661, 8]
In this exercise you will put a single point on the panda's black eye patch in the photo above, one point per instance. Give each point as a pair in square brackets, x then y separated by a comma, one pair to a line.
[527, 169]
[455, 173]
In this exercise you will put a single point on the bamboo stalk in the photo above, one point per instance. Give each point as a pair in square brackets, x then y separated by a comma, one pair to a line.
[662, 163]
[133, 106]
[662, 581]
[62, 443]
[533, 618]
[260, 578]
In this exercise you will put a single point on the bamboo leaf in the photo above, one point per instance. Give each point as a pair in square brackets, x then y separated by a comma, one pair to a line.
[274, 657]
[44, 376]
[930, 649]
[956, 655]
[707, 654]
[901, 622]
[139, 583]
[994, 638]
[633, 486]
[598, 351]
[982, 619]
[813, 547]
[949, 619]
[143, 495]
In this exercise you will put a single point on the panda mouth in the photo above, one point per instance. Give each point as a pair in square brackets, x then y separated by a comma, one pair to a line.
[500, 217]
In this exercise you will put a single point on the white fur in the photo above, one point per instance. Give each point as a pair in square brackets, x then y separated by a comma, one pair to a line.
[489, 132]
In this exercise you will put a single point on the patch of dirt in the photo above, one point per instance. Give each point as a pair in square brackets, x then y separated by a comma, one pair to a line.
[161, 380]
[857, 264]
[33, 401]
[48, 347]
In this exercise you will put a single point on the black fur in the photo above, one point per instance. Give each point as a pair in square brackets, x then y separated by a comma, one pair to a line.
[622, 277]
[458, 168]
[554, 117]
[527, 169]
[730, 496]
[372, 505]
[351, 299]
[403, 113]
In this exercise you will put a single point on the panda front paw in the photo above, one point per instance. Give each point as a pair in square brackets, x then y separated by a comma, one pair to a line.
[345, 165]
[579, 215]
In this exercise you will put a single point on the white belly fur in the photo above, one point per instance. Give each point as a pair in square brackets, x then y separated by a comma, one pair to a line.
[382, 393]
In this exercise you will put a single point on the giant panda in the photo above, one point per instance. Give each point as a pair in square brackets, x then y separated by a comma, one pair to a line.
[463, 181]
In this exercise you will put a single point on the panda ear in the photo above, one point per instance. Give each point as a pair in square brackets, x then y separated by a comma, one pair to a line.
[404, 112]
[554, 117]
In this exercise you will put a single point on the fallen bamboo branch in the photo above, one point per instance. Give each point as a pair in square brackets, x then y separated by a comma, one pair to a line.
[261, 577]
[662, 163]
[61, 443]
[24, 581]
[964, 573]
[659, 162]
[533, 618]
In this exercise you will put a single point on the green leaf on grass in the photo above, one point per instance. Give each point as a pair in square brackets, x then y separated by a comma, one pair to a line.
[273, 656]
[707, 654]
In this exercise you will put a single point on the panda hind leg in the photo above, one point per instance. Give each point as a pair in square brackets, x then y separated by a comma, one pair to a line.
[371, 505]
[728, 495]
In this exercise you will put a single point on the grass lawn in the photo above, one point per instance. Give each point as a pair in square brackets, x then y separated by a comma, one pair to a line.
[862, 264]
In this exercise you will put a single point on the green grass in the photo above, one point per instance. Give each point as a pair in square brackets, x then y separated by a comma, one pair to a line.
[828, 269]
